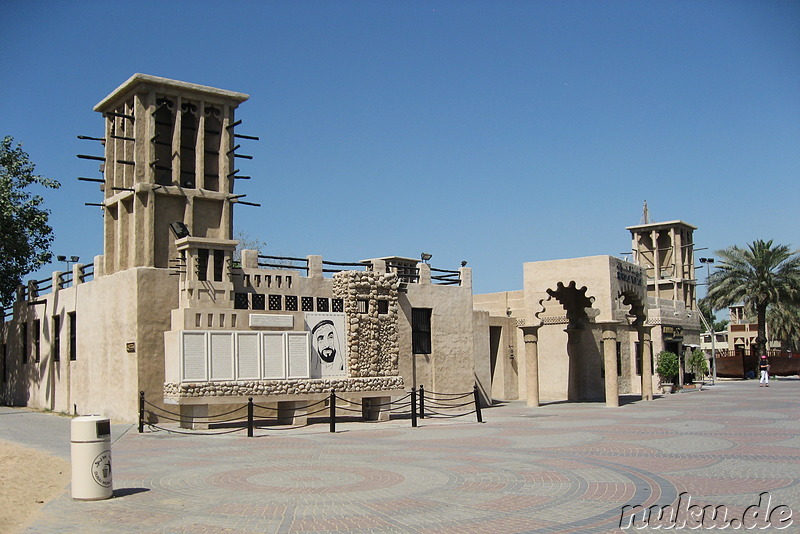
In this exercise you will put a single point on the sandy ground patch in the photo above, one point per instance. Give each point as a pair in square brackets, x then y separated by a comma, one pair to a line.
[28, 479]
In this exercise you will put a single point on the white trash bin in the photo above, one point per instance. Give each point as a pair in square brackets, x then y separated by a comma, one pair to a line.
[91, 458]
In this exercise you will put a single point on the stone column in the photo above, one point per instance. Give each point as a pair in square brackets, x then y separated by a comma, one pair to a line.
[647, 362]
[176, 144]
[656, 262]
[200, 149]
[531, 337]
[424, 271]
[610, 360]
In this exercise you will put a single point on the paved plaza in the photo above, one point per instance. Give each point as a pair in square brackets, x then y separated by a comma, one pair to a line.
[563, 467]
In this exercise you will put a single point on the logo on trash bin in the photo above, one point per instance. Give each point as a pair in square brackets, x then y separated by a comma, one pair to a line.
[101, 469]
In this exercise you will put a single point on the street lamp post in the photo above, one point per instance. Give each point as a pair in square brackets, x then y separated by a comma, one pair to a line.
[68, 260]
[707, 262]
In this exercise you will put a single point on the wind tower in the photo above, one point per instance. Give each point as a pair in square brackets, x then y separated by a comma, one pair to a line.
[169, 171]
[666, 251]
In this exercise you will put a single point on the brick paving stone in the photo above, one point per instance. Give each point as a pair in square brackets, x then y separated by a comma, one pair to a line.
[558, 468]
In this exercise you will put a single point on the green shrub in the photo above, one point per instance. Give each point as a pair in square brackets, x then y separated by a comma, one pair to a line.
[667, 367]
[697, 363]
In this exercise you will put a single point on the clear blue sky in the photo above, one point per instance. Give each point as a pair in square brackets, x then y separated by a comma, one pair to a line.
[493, 132]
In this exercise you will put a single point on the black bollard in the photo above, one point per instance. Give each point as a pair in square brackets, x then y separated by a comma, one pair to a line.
[413, 407]
[250, 417]
[421, 401]
[332, 416]
[141, 412]
[477, 403]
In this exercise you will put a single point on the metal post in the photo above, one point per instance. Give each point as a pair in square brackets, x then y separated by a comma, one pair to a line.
[421, 402]
[477, 403]
[250, 417]
[707, 262]
[141, 412]
[332, 416]
[413, 407]
[713, 334]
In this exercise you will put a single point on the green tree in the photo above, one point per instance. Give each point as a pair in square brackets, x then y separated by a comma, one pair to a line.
[759, 276]
[25, 235]
[783, 321]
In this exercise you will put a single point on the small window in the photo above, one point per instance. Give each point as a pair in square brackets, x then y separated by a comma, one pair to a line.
[362, 306]
[239, 302]
[383, 307]
[307, 303]
[421, 330]
[219, 263]
[322, 304]
[337, 305]
[56, 338]
[73, 336]
[638, 358]
[275, 302]
[259, 301]
[291, 303]
[202, 264]
[24, 341]
[37, 341]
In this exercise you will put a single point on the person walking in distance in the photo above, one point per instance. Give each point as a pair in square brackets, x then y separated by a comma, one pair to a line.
[763, 366]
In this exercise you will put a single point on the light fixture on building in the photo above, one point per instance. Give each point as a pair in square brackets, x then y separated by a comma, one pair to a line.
[71, 259]
[179, 229]
[425, 257]
[463, 263]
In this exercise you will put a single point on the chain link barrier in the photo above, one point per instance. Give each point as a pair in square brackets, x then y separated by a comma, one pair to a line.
[251, 416]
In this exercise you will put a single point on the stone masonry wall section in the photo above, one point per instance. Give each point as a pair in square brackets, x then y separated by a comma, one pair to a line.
[280, 387]
[372, 344]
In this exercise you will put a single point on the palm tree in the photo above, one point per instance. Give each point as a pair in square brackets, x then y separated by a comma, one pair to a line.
[784, 324]
[759, 276]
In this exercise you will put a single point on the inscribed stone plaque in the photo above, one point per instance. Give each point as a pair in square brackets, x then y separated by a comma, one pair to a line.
[221, 356]
[274, 356]
[297, 344]
[263, 320]
[247, 360]
[194, 356]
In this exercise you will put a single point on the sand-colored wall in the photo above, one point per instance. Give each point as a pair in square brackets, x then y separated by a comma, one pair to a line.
[105, 378]
[450, 367]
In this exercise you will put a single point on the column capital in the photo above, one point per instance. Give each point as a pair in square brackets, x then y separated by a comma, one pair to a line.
[530, 334]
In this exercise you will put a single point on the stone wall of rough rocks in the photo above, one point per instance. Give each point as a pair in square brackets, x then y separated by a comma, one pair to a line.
[281, 387]
[372, 343]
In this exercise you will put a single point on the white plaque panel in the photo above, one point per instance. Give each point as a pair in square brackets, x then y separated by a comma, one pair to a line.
[297, 345]
[271, 320]
[247, 356]
[193, 366]
[274, 355]
[221, 356]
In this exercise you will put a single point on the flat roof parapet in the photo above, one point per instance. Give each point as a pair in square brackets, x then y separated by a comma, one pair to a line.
[132, 84]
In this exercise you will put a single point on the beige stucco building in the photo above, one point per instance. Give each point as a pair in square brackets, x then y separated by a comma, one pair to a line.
[168, 310]
[588, 328]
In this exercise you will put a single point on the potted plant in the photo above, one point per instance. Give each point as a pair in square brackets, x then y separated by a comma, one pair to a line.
[667, 370]
[698, 364]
